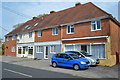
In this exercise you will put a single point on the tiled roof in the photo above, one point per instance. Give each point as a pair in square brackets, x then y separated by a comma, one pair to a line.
[73, 14]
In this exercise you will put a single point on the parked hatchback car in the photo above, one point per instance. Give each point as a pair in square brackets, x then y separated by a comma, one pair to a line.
[92, 60]
[69, 60]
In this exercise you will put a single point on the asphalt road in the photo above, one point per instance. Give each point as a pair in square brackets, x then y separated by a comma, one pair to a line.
[16, 71]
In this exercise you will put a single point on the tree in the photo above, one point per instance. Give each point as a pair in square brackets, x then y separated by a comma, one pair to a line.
[3, 48]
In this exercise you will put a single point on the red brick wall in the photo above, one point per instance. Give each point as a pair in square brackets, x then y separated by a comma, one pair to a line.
[47, 35]
[115, 38]
[8, 45]
[81, 30]
[84, 30]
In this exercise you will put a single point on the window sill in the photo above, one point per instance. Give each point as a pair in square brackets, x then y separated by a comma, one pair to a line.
[39, 36]
[70, 33]
[39, 52]
[96, 30]
[54, 34]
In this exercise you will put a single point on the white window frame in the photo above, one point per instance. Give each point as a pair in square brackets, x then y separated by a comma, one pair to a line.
[12, 49]
[51, 49]
[21, 36]
[95, 22]
[71, 26]
[26, 26]
[105, 50]
[36, 24]
[56, 31]
[40, 33]
[30, 33]
[7, 38]
[38, 50]
[14, 37]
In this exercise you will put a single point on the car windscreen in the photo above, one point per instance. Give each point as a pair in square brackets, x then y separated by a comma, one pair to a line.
[74, 56]
[86, 54]
[74, 52]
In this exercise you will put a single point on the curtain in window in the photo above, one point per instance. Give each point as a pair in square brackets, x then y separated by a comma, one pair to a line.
[77, 47]
[69, 47]
[72, 47]
[98, 50]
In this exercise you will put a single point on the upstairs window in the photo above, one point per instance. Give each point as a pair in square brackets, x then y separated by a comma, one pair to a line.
[70, 29]
[29, 27]
[26, 26]
[7, 38]
[39, 33]
[12, 49]
[30, 34]
[20, 36]
[55, 31]
[36, 24]
[13, 37]
[95, 25]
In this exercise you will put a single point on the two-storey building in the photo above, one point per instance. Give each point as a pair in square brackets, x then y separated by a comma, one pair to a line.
[84, 27]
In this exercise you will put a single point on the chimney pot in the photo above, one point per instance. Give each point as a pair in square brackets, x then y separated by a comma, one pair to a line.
[78, 3]
[52, 12]
[34, 17]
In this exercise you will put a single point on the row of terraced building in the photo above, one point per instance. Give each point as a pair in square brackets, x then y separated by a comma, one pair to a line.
[83, 27]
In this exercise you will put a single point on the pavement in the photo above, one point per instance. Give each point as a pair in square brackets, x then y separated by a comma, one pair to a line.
[92, 72]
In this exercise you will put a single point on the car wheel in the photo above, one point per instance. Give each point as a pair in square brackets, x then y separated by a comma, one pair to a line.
[54, 64]
[76, 67]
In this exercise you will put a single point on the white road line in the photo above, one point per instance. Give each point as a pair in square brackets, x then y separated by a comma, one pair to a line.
[18, 72]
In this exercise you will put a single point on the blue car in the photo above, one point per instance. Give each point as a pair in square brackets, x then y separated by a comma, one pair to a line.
[69, 60]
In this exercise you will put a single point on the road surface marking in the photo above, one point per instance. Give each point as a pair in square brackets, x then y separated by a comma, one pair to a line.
[18, 72]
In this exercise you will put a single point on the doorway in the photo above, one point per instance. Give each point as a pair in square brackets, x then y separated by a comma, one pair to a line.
[84, 48]
[46, 52]
[25, 51]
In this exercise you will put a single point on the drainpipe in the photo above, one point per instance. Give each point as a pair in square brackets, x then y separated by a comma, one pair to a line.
[61, 37]
[90, 48]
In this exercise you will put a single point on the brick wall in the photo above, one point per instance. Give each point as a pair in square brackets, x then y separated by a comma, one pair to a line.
[114, 33]
[84, 30]
[8, 45]
[47, 35]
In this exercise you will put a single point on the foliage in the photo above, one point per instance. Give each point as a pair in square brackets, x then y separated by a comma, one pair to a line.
[3, 47]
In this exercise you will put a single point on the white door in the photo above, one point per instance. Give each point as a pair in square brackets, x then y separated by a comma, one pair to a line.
[45, 52]
[25, 52]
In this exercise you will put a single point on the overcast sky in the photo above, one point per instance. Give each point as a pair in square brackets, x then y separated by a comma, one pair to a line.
[19, 12]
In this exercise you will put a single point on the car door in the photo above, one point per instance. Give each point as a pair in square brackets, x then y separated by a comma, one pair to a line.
[60, 60]
[67, 60]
